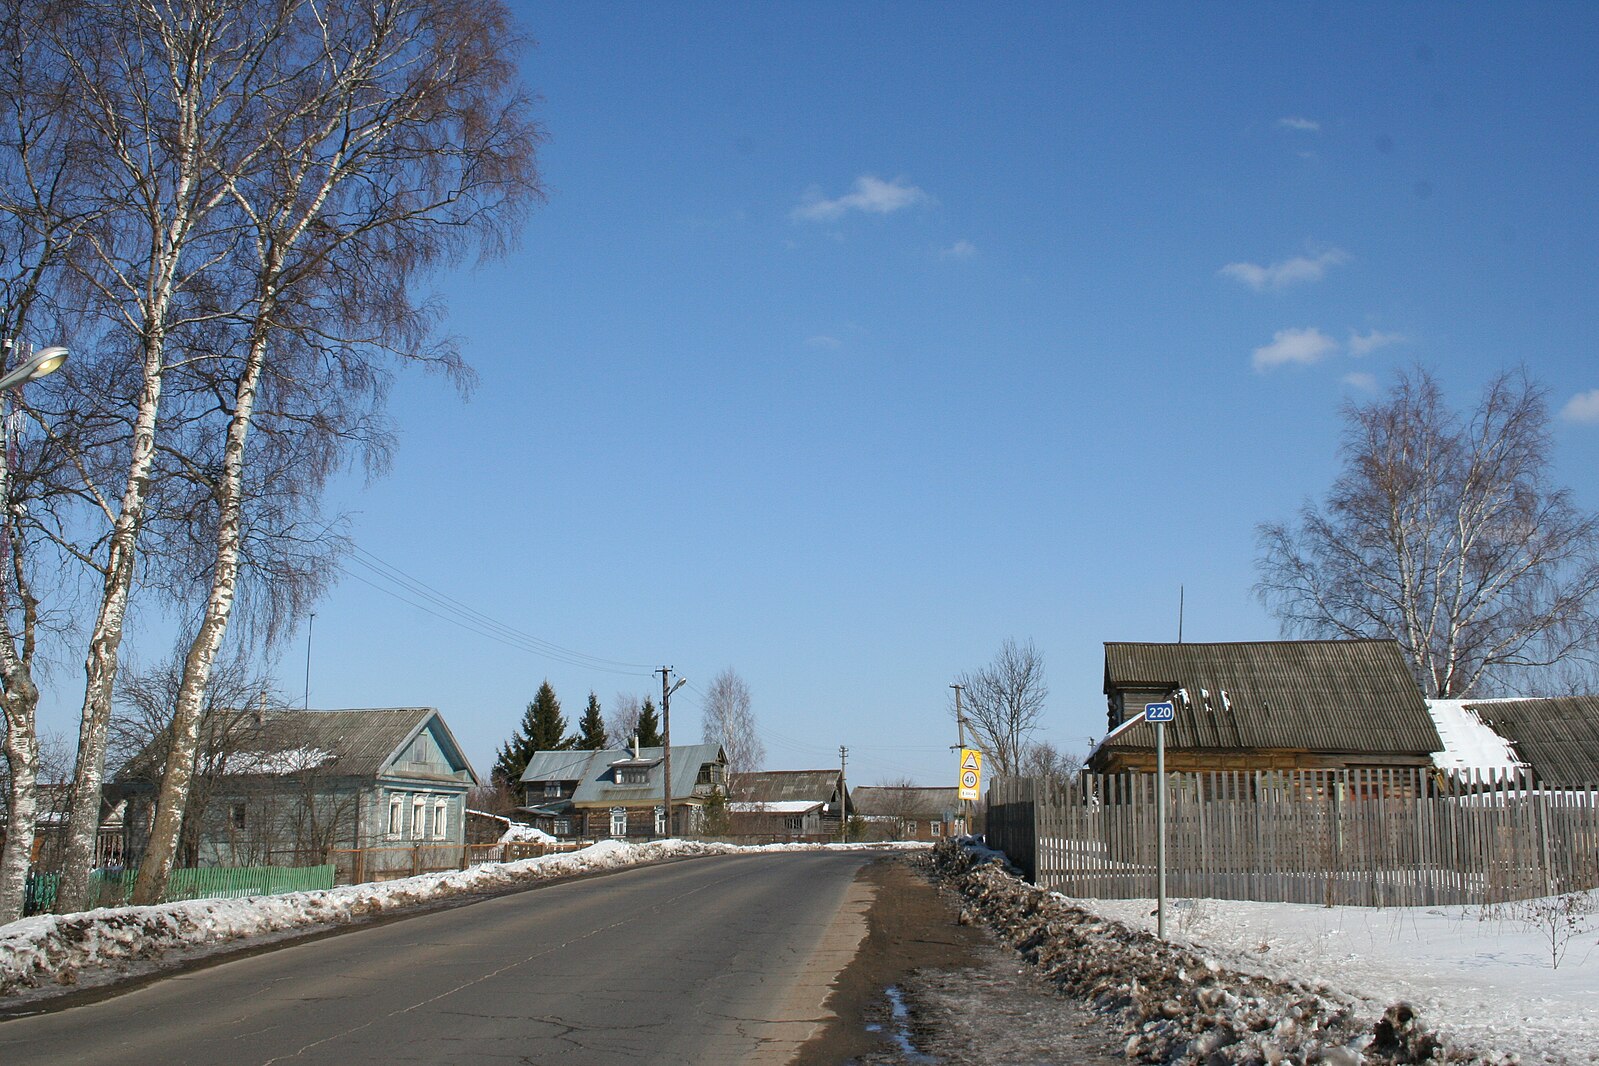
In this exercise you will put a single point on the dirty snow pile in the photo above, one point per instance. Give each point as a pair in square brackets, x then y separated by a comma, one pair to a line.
[1187, 1005]
[518, 833]
[64, 949]
[1516, 977]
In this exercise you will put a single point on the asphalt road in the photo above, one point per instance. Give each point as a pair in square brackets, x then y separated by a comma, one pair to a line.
[713, 960]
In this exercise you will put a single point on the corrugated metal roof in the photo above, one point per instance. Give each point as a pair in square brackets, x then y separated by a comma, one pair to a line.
[595, 785]
[895, 801]
[786, 786]
[1354, 696]
[1558, 738]
[360, 741]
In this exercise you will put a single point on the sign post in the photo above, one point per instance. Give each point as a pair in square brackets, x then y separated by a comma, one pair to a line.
[1160, 714]
[971, 774]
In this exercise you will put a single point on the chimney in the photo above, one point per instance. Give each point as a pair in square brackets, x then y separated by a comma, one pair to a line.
[635, 747]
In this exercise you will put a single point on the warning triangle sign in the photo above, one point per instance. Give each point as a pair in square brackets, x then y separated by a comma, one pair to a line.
[970, 760]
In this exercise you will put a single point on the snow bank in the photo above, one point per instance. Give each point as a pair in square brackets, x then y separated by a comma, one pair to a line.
[58, 949]
[518, 833]
[1186, 1004]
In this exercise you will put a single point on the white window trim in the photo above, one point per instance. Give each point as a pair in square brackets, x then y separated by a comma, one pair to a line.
[619, 817]
[419, 818]
[396, 817]
[441, 816]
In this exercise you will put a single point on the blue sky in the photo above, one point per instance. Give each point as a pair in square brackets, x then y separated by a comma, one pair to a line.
[854, 339]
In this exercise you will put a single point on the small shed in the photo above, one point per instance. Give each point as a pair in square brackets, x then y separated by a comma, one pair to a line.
[788, 804]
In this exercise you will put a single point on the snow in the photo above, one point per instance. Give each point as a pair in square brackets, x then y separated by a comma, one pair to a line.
[98, 945]
[1481, 976]
[1469, 743]
[773, 807]
[517, 833]
[285, 761]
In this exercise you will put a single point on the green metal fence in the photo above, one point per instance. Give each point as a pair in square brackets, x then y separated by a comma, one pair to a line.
[115, 888]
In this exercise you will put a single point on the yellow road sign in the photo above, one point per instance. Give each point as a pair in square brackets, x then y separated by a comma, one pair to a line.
[971, 774]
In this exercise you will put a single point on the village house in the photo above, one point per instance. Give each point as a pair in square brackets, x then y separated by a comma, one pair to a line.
[907, 812]
[285, 787]
[1266, 705]
[621, 792]
[788, 804]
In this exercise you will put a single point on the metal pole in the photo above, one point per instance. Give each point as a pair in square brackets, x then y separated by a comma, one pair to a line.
[843, 785]
[1160, 832]
[960, 730]
[309, 626]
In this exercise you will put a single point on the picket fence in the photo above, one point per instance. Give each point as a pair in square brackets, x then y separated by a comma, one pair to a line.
[1401, 837]
[115, 888]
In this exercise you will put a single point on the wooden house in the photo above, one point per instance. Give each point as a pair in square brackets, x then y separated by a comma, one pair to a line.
[1266, 705]
[621, 792]
[907, 812]
[284, 787]
[788, 804]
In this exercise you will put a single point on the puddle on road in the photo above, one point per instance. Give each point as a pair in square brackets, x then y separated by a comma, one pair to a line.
[900, 1019]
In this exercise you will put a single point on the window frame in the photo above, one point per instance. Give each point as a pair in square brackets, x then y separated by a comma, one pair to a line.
[419, 818]
[396, 816]
[441, 818]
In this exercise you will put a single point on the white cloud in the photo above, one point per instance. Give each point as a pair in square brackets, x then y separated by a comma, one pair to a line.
[1583, 407]
[1361, 380]
[1302, 346]
[959, 250]
[822, 340]
[870, 194]
[1298, 122]
[1366, 343]
[1288, 272]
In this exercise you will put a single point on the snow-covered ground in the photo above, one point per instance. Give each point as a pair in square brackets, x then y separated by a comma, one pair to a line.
[95, 946]
[1483, 977]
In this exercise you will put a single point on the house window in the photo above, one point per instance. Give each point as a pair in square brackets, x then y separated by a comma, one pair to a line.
[552, 790]
[660, 821]
[562, 827]
[419, 818]
[236, 815]
[441, 819]
[396, 815]
[619, 821]
[934, 828]
[639, 776]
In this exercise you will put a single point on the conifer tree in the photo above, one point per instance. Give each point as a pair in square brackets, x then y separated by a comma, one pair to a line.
[649, 725]
[591, 727]
[542, 729]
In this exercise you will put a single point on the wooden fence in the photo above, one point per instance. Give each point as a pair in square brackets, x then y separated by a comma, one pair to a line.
[1368, 838]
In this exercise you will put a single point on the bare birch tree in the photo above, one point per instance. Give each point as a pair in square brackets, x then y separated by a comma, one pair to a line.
[1447, 534]
[730, 722]
[406, 139]
[1003, 702]
[621, 724]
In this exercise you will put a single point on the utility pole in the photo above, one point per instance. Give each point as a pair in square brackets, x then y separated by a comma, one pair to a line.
[666, 740]
[960, 730]
[309, 626]
[843, 786]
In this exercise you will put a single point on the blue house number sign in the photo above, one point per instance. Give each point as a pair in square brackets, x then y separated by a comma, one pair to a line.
[1160, 712]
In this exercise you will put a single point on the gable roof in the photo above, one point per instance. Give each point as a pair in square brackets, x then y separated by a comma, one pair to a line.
[1355, 696]
[596, 785]
[1558, 737]
[785, 786]
[880, 801]
[359, 742]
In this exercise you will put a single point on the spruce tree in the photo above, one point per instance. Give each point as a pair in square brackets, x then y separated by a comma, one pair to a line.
[542, 729]
[649, 725]
[591, 735]
[544, 726]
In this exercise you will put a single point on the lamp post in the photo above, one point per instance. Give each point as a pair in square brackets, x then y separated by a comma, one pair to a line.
[666, 742]
[45, 361]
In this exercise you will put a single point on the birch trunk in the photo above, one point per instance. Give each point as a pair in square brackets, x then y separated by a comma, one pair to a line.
[22, 805]
[172, 800]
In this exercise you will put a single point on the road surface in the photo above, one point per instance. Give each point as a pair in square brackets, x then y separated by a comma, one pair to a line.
[713, 960]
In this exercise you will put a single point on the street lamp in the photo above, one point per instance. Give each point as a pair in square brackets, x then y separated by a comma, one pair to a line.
[666, 742]
[42, 362]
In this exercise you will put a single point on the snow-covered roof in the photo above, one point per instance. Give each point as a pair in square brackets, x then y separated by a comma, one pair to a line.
[774, 807]
[1470, 744]
[284, 761]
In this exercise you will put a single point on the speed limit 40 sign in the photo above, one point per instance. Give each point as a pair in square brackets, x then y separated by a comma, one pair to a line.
[971, 774]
